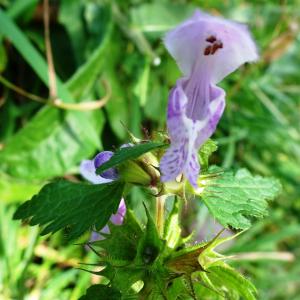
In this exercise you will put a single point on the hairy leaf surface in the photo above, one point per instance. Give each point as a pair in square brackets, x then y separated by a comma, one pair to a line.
[75, 206]
[233, 199]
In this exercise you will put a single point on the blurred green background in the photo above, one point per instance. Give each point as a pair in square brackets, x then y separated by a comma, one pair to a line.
[120, 43]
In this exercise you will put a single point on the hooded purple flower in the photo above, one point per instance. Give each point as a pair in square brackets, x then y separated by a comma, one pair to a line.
[88, 171]
[206, 49]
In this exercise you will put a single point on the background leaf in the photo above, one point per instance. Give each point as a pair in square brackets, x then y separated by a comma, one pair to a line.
[36, 154]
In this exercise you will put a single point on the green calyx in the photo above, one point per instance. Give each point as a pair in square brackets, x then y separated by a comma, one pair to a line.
[141, 264]
[132, 172]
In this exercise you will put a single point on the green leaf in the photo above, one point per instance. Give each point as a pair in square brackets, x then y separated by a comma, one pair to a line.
[86, 75]
[3, 56]
[150, 245]
[9, 30]
[172, 230]
[66, 137]
[157, 17]
[100, 292]
[235, 198]
[70, 16]
[77, 206]
[205, 152]
[21, 8]
[128, 153]
[228, 281]
[14, 189]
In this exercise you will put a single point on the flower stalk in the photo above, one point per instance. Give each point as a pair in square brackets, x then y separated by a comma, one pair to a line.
[160, 214]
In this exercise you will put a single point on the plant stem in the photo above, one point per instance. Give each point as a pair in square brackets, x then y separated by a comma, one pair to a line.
[160, 210]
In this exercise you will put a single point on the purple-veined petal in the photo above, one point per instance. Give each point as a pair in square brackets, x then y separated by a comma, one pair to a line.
[213, 44]
[181, 157]
[207, 49]
[188, 135]
[215, 112]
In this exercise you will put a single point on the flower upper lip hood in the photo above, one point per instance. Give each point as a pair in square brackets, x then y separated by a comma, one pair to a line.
[206, 49]
[188, 42]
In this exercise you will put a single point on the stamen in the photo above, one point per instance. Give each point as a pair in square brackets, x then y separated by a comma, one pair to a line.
[211, 39]
[207, 50]
[212, 49]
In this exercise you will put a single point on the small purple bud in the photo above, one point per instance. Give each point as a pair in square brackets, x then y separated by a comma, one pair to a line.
[100, 159]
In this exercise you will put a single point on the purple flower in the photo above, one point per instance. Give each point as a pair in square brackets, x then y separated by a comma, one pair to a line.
[88, 171]
[206, 49]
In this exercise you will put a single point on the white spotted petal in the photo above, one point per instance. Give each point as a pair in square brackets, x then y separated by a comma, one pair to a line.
[207, 49]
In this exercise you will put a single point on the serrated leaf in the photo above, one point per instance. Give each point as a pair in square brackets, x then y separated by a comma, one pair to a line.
[128, 153]
[76, 206]
[101, 292]
[233, 199]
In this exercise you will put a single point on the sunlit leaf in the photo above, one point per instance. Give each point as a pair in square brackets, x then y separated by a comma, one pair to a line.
[233, 199]
[75, 206]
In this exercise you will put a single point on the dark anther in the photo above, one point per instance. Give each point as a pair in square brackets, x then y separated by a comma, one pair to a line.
[211, 39]
[215, 47]
[207, 50]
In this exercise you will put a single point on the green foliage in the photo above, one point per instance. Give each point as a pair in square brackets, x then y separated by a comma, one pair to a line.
[122, 241]
[223, 282]
[159, 16]
[75, 206]
[12, 189]
[235, 198]
[3, 57]
[172, 229]
[101, 292]
[140, 264]
[128, 153]
[23, 255]
[26, 154]
[150, 245]
[206, 150]
[123, 43]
